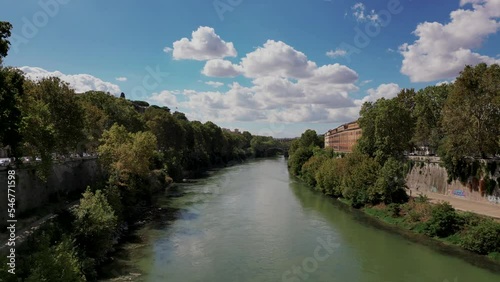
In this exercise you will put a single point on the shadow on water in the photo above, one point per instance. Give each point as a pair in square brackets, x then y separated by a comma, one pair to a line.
[323, 204]
[133, 244]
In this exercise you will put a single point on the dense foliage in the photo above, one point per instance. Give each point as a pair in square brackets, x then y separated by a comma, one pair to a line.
[355, 176]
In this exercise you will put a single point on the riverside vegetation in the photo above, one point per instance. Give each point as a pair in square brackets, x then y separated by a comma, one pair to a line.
[141, 148]
[460, 119]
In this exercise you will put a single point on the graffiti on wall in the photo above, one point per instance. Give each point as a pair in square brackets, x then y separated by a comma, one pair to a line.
[459, 193]
[494, 199]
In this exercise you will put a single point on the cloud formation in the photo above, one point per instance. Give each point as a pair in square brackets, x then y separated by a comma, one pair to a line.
[337, 53]
[214, 84]
[359, 13]
[387, 91]
[442, 50]
[79, 82]
[285, 87]
[204, 45]
[121, 78]
[164, 98]
[221, 68]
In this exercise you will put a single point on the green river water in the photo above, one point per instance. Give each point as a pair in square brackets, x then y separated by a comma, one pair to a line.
[253, 222]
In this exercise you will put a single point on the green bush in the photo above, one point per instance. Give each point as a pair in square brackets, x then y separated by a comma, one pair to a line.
[394, 209]
[422, 198]
[310, 168]
[391, 184]
[298, 159]
[482, 238]
[444, 221]
[95, 225]
[57, 263]
[359, 181]
[329, 176]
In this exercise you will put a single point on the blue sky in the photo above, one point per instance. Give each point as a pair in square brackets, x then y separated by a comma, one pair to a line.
[272, 67]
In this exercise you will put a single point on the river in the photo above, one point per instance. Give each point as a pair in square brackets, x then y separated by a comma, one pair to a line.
[253, 222]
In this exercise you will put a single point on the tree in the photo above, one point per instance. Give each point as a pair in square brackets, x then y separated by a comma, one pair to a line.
[167, 129]
[116, 110]
[471, 113]
[5, 28]
[429, 103]
[11, 91]
[298, 159]
[311, 138]
[387, 129]
[310, 167]
[359, 179]
[56, 263]
[52, 105]
[95, 225]
[94, 123]
[391, 184]
[329, 176]
[126, 153]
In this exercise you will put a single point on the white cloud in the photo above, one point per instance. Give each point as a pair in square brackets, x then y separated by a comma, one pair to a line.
[358, 11]
[164, 98]
[215, 84]
[336, 53]
[333, 74]
[121, 78]
[167, 49]
[221, 68]
[442, 50]
[276, 58]
[364, 82]
[386, 91]
[79, 82]
[204, 44]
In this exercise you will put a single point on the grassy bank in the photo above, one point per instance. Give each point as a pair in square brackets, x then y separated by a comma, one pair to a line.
[442, 222]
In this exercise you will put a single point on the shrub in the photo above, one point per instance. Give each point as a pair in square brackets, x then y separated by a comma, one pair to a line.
[444, 221]
[391, 184]
[482, 238]
[360, 179]
[329, 176]
[57, 263]
[95, 225]
[394, 209]
[298, 159]
[422, 198]
[310, 168]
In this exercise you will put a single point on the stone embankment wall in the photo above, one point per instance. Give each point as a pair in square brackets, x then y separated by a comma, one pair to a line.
[427, 175]
[31, 192]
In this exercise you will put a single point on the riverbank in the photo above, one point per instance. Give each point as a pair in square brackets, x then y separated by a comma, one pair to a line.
[412, 219]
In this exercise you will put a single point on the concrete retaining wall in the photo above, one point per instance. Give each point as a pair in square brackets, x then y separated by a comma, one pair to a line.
[431, 177]
[65, 178]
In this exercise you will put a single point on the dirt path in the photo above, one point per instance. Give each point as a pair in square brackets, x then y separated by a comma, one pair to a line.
[482, 208]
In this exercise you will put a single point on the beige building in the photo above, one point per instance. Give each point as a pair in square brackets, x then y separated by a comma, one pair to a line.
[343, 138]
